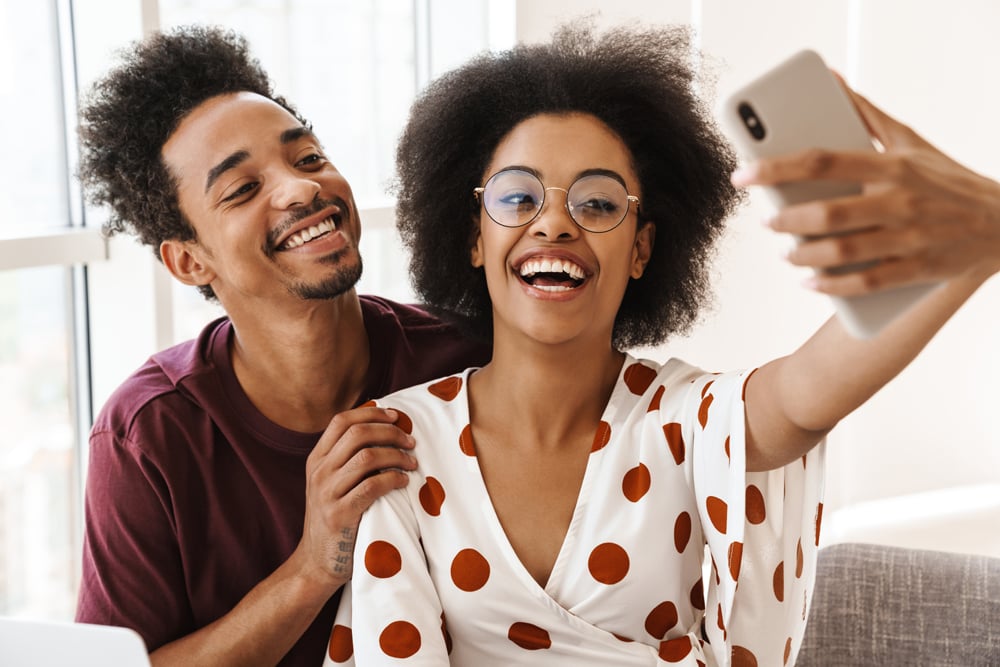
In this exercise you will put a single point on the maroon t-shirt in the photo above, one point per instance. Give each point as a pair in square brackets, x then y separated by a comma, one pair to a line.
[193, 496]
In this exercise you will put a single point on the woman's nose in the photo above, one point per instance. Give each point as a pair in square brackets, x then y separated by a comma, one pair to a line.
[554, 220]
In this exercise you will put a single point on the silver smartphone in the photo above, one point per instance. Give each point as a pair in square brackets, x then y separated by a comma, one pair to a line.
[796, 105]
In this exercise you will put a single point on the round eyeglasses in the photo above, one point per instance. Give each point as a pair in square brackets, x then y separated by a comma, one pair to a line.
[596, 202]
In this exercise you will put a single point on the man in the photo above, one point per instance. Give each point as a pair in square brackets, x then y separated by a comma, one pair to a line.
[228, 474]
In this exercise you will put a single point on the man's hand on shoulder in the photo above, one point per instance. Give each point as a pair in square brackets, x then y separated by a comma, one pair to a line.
[359, 458]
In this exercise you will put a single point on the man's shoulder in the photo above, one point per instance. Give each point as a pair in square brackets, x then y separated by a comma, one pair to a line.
[410, 345]
[157, 387]
[408, 317]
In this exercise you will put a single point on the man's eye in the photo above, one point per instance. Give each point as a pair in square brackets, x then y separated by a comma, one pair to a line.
[241, 191]
[311, 159]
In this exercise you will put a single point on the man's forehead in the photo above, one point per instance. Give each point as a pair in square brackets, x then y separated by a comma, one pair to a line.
[225, 124]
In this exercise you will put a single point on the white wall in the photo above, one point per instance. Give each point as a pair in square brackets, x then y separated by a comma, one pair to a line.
[918, 465]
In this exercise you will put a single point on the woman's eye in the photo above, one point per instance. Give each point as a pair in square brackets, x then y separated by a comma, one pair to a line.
[518, 200]
[597, 206]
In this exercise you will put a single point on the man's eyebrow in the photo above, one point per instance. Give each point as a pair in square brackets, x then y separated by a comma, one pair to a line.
[234, 160]
[296, 133]
[229, 163]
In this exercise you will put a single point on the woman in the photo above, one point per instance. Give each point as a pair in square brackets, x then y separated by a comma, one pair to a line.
[563, 200]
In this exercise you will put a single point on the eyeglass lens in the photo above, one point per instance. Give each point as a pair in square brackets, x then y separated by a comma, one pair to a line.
[596, 202]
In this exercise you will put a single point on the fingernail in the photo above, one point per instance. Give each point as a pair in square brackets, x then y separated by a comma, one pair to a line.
[810, 283]
[410, 439]
[389, 412]
[768, 222]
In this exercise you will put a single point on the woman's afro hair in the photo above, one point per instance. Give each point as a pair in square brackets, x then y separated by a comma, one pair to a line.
[641, 84]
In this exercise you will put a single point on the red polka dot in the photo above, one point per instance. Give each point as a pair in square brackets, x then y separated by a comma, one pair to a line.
[779, 581]
[638, 378]
[367, 404]
[755, 505]
[465, 441]
[718, 620]
[682, 531]
[341, 644]
[601, 437]
[446, 635]
[788, 650]
[706, 403]
[529, 637]
[470, 570]
[431, 496]
[382, 560]
[803, 461]
[661, 619]
[636, 483]
[399, 640]
[608, 563]
[717, 510]
[404, 422]
[742, 657]
[819, 521]
[446, 389]
[726, 447]
[654, 404]
[735, 559]
[704, 390]
[675, 440]
[623, 639]
[675, 650]
[698, 595]
[799, 559]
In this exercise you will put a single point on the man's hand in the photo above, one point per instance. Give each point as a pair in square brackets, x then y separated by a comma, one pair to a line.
[359, 458]
[926, 217]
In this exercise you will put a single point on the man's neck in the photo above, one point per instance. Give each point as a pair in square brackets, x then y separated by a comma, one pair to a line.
[301, 368]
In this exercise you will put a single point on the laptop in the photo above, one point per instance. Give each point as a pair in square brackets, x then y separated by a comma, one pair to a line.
[35, 643]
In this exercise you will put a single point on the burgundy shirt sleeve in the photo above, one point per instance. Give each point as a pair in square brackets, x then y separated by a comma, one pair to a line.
[132, 572]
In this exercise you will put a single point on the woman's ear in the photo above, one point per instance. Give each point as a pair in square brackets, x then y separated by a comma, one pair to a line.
[186, 261]
[643, 249]
[476, 251]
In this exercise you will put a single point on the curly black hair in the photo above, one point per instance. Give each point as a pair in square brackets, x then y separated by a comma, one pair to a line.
[640, 83]
[130, 114]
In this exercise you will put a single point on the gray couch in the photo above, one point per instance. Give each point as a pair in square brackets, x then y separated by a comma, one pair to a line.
[879, 605]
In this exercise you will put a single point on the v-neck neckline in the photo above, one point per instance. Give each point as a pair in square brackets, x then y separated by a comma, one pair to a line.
[569, 541]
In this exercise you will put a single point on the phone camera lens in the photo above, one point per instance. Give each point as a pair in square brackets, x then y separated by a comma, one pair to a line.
[751, 121]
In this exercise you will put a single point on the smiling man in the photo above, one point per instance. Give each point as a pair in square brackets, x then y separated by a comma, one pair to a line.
[228, 474]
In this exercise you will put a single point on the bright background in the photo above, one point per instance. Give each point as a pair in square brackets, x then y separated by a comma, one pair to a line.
[919, 465]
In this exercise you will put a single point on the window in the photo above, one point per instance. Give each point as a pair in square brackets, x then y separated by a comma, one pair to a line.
[70, 302]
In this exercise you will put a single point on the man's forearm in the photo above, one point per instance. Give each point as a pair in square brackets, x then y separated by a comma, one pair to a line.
[260, 630]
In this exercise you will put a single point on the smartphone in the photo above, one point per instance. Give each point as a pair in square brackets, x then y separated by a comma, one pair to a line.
[797, 105]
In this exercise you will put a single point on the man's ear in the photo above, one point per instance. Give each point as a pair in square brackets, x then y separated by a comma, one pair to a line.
[186, 261]
[643, 249]
[476, 251]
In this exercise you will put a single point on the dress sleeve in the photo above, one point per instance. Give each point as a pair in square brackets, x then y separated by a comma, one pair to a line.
[390, 613]
[762, 531]
[132, 575]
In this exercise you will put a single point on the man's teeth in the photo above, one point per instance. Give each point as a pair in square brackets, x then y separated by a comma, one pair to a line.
[535, 266]
[311, 232]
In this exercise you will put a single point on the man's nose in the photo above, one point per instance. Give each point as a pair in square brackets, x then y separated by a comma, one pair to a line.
[294, 189]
